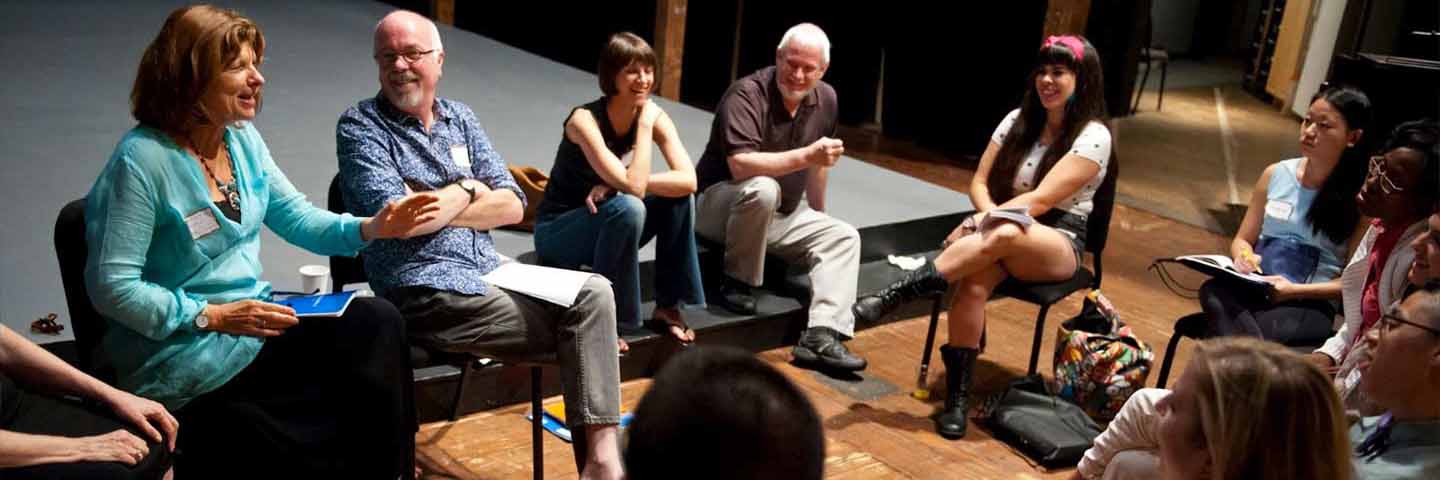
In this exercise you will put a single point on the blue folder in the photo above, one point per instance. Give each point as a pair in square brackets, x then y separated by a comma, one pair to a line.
[326, 305]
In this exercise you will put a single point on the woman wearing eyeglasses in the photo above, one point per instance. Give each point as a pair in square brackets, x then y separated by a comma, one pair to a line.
[1300, 225]
[1399, 193]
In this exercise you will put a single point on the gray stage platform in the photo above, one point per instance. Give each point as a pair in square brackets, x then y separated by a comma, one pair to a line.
[71, 64]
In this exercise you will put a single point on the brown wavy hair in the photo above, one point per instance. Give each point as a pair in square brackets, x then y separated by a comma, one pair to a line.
[1087, 104]
[619, 51]
[193, 47]
[1268, 414]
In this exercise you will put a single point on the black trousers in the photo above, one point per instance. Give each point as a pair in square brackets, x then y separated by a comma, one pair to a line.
[329, 398]
[1235, 310]
[43, 415]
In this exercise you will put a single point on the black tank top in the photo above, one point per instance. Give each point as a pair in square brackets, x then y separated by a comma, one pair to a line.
[571, 178]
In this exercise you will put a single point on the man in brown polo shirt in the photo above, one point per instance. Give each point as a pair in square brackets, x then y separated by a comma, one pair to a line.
[770, 147]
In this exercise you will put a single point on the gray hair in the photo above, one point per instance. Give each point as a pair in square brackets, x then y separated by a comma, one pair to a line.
[808, 34]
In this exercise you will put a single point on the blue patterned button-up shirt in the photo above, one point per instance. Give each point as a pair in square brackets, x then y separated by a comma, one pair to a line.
[381, 151]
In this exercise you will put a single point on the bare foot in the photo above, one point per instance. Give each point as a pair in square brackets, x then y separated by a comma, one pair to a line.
[671, 320]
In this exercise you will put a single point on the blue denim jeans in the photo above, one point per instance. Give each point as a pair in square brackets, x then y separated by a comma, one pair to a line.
[609, 242]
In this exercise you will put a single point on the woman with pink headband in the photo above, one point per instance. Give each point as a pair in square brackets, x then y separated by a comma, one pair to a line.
[1048, 157]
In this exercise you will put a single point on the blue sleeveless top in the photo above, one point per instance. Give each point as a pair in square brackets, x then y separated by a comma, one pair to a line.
[1286, 205]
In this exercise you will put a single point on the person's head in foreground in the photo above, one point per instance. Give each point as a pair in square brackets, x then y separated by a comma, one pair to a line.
[721, 413]
[1250, 409]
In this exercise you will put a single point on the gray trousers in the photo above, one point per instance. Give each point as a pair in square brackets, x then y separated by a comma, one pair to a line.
[741, 214]
[511, 326]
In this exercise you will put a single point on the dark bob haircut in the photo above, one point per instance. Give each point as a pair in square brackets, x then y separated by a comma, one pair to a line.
[622, 49]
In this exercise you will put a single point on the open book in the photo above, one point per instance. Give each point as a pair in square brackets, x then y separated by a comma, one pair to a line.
[1019, 215]
[554, 285]
[1220, 266]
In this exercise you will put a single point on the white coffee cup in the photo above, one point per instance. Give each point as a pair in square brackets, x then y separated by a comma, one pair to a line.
[315, 278]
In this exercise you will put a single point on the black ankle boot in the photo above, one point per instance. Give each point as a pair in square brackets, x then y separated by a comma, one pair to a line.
[922, 282]
[959, 365]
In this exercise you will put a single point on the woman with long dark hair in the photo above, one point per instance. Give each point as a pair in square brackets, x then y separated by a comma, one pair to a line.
[1300, 227]
[1047, 158]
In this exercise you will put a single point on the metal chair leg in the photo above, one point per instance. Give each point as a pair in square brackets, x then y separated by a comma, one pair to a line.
[1039, 335]
[1140, 89]
[923, 384]
[1169, 356]
[537, 444]
[460, 389]
[1164, 68]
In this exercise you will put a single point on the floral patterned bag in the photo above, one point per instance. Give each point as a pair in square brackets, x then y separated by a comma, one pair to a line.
[1099, 362]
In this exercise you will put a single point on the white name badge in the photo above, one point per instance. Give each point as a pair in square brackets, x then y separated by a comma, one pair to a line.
[201, 223]
[1279, 209]
[461, 155]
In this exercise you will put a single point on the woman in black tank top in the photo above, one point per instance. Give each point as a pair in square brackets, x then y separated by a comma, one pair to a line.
[599, 210]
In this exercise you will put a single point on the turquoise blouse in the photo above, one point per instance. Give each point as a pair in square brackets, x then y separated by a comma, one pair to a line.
[159, 250]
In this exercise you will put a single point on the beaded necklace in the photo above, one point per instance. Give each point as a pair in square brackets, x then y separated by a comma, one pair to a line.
[230, 190]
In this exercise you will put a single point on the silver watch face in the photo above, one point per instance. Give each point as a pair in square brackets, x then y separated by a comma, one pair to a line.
[202, 321]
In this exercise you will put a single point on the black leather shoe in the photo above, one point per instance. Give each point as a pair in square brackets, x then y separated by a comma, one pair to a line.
[735, 296]
[820, 347]
[920, 283]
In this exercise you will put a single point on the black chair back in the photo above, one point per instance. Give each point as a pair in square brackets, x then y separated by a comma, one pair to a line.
[89, 326]
[1097, 227]
[343, 270]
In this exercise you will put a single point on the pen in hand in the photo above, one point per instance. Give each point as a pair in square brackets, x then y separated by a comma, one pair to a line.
[1250, 257]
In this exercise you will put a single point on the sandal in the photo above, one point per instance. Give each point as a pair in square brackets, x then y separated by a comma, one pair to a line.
[47, 325]
[664, 323]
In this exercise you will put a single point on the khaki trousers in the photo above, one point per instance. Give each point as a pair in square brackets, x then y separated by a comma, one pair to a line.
[741, 215]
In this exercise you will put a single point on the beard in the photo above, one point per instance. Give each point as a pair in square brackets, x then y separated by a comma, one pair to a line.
[410, 98]
[792, 95]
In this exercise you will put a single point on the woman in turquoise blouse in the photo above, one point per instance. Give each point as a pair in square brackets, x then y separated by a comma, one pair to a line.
[173, 225]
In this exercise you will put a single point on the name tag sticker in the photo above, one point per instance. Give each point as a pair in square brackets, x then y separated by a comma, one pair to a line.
[461, 155]
[1279, 209]
[201, 223]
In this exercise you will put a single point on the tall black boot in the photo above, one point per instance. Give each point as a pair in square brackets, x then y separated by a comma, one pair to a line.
[959, 365]
[922, 282]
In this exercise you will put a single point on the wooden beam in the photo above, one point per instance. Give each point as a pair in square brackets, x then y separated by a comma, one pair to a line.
[443, 11]
[670, 45]
[1067, 17]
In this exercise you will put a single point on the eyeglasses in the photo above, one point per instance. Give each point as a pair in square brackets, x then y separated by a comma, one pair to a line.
[410, 57]
[1377, 170]
[1390, 321]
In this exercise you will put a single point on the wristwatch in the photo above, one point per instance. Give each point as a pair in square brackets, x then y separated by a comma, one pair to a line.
[201, 320]
[469, 188]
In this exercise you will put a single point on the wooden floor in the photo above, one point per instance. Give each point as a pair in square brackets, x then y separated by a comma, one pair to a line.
[892, 436]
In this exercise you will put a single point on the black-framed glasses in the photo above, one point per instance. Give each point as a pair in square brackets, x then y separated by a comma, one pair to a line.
[410, 57]
[1377, 169]
[1391, 321]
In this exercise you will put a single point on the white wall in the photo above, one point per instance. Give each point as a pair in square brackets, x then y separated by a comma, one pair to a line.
[1317, 58]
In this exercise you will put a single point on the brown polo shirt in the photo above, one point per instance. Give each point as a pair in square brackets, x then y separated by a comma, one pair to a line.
[751, 117]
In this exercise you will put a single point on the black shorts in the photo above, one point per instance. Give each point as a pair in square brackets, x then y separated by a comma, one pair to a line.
[1070, 225]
